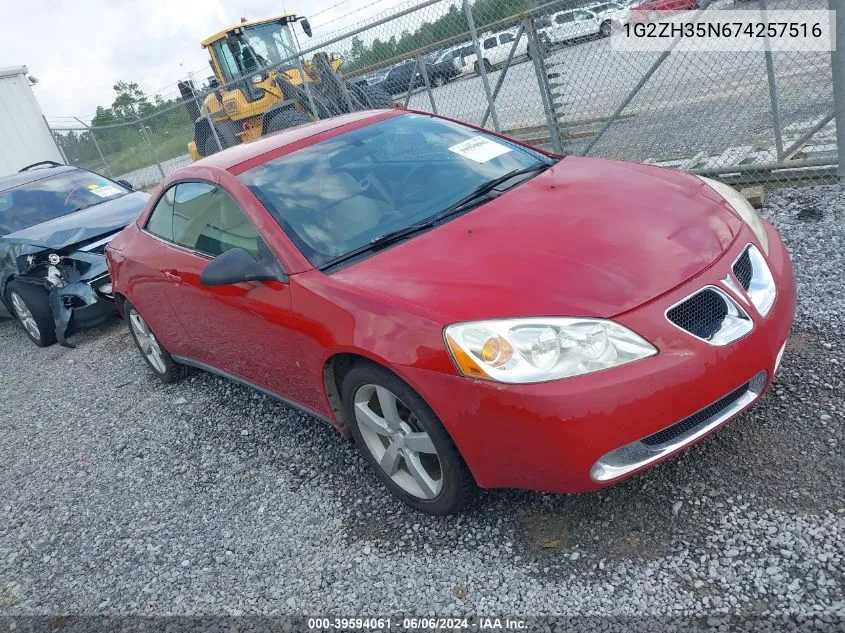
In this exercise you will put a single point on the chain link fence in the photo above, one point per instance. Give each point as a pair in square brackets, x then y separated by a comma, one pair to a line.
[544, 73]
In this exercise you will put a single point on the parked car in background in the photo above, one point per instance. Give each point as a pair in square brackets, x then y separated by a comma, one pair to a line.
[55, 221]
[494, 50]
[608, 13]
[653, 10]
[398, 79]
[571, 25]
[456, 55]
[472, 311]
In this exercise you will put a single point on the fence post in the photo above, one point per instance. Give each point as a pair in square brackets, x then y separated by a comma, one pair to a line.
[543, 84]
[424, 71]
[56, 140]
[482, 71]
[414, 72]
[142, 130]
[97, 145]
[213, 133]
[773, 88]
[837, 64]
[504, 72]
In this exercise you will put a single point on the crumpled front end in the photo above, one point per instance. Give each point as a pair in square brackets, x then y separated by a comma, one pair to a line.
[78, 283]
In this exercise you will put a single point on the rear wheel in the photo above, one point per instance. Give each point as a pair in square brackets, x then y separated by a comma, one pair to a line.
[284, 119]
[154, 353]
[30, 304]
[404, 442]
[604, 29]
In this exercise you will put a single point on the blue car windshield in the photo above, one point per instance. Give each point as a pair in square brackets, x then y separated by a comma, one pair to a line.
[341, 194]
[53, 197]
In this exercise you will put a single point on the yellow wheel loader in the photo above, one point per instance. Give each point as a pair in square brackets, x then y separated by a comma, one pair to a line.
[260, 87]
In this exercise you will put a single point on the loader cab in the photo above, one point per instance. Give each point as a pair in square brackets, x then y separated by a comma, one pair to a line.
[244, 51]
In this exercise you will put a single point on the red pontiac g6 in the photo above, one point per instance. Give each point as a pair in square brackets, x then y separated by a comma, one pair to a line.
[473, 312]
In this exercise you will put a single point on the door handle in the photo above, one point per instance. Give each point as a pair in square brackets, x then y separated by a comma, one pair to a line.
[176, 279]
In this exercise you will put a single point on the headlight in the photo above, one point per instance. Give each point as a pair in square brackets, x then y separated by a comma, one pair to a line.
[743, 209]
[538, 349]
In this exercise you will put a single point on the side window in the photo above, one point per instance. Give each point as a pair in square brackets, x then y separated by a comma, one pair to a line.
[580, 16]
[490, 42]
[563, 18]
[204, 218]
[504, 38]
[160, 222]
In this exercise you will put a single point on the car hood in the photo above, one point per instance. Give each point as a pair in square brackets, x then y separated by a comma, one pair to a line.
[588, 237]
[82, 226]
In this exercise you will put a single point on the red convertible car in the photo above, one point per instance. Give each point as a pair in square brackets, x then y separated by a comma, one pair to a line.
[472, 311]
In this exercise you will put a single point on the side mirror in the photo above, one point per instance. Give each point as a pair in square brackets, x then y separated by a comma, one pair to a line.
[306, 27]
[127, 184]
[236, 266]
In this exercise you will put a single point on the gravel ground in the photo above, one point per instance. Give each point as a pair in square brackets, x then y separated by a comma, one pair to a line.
[122, 496]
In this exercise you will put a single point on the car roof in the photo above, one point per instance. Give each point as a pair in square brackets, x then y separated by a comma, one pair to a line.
[26, 177]
[239, 154]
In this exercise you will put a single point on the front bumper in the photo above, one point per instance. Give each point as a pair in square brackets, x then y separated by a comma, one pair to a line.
[81, 305]
[583, 433]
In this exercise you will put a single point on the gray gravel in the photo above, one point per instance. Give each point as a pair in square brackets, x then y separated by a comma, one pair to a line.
[122, 496]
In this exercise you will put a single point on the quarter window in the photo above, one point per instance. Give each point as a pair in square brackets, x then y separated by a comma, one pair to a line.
[203, 218]
[490, 42]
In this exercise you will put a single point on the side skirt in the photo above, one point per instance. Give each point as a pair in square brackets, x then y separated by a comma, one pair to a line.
[246, 383]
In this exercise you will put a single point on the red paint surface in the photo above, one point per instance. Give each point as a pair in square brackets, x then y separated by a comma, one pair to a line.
[587, 238]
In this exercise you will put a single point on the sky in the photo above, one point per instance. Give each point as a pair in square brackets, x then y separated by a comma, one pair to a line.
[78, 49]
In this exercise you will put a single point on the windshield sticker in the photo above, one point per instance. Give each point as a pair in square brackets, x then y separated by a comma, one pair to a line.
[104, 191]
[480, 149]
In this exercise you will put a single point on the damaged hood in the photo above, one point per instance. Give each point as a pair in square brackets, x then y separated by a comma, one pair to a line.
[84, 225]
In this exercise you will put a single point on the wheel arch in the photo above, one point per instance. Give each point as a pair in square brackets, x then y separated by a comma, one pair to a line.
[335, 368]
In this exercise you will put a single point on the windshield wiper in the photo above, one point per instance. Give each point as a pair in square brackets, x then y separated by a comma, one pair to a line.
[477, 196]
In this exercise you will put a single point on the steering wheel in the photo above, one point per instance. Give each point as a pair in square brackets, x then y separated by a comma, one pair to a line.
[366, 183]
[400, 194]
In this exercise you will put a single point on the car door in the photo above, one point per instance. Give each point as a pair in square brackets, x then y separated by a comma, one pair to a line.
[151, 284]
[245, 330]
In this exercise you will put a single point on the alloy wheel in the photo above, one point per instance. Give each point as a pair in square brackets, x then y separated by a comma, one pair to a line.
[398, 442]
[147, 342]
[25, 316]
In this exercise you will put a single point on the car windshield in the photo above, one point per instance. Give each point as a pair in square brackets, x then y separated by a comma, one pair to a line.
[341, 194]
[53, 197]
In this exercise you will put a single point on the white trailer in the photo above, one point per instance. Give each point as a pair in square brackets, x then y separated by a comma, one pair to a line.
[24, 135]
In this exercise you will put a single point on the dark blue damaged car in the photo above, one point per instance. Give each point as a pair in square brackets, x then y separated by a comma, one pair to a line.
[55, 222]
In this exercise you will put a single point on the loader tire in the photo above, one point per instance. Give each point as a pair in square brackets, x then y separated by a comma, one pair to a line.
[282, 120]
[372, 97]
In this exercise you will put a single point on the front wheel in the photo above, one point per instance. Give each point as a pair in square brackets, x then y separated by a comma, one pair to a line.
[404, 442]
[438, 80]
[287, 118]
[604, 29]
[30, 305]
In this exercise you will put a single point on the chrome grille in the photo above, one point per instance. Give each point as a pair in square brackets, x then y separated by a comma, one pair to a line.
[743, 270]
[712, 316]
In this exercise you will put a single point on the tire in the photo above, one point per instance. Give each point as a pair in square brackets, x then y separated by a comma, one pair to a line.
[487, 66]
[374, 97]
[227, 139]
[367, 384]
[167, 369]
[210, 147]
[284, 119]
[30, 305]
[438, 80]
[605, 28]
